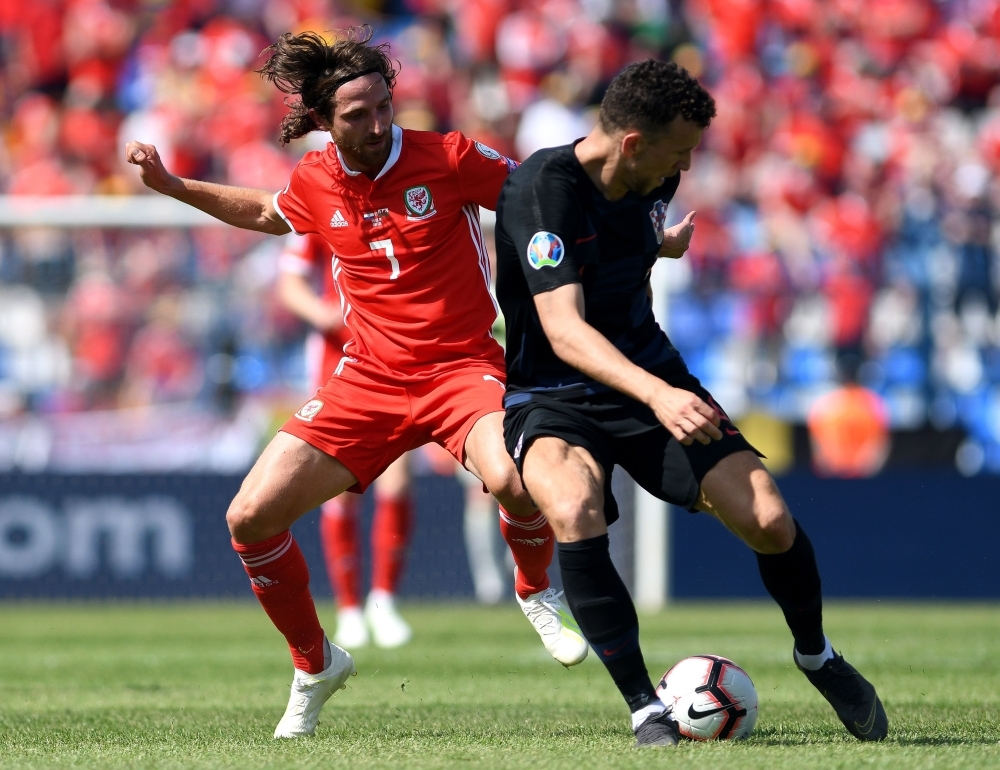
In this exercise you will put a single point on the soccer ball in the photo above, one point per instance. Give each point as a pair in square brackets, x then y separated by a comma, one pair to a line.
[712, 698]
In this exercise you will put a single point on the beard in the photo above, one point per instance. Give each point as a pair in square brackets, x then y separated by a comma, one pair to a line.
[637, 178]
[364, 154]
[642, 184]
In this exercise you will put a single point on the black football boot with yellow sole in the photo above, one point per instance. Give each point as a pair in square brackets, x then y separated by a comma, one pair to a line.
[852, 696]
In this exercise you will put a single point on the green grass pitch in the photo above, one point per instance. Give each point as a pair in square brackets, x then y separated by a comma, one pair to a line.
[202, 685]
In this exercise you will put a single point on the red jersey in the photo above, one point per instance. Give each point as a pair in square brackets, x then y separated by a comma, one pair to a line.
[409, 257]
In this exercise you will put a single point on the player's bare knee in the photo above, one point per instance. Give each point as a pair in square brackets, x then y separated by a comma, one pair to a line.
[775, 530]
[575, 509]
[236, 518]
[241, 520]
[506, 486]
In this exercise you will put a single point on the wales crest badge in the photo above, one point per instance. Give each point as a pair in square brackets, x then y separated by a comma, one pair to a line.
[419, 203]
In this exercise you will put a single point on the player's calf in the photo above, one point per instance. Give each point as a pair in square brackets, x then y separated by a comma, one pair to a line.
[279, 577]
[568, 485]
[792, 578]
[606, 615]
[532, 542]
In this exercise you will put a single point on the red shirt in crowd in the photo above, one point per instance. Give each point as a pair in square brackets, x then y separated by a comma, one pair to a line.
[310, 255]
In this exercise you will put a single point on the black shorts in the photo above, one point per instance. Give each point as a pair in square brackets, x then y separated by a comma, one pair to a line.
[618, 430]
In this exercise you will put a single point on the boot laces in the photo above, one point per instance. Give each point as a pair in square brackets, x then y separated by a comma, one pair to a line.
[545, 611]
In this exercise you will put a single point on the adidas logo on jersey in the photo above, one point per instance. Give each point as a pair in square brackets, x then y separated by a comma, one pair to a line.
[337, 220]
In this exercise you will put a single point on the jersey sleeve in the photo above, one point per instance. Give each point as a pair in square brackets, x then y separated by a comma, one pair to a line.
[542, 219]
[292, 204]
[481, 171]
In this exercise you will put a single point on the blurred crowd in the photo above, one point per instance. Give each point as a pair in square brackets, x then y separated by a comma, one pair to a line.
[846, 193]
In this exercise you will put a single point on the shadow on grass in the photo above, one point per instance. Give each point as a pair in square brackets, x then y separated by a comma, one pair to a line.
[947, 741]
[825, 737]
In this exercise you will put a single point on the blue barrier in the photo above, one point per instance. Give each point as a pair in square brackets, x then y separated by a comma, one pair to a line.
[903, 534]
[89, 536]
[906, 534]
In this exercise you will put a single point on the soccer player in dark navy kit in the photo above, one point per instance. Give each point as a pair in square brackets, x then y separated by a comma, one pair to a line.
[592, 381]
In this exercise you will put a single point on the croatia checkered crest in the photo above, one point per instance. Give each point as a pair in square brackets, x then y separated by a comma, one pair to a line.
[711, 697]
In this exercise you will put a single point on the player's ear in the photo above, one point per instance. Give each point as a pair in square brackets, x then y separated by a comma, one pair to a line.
[631, 144]
[318, 119]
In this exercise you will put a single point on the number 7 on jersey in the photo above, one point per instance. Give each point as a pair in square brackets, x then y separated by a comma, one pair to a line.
[387, 245]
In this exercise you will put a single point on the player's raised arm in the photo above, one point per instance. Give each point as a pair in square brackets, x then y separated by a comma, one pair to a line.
[238, 206]
[580, 345]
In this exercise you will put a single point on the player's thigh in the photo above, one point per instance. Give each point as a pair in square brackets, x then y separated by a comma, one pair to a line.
[742, 494]
[486, 457]
[567, 483]
[290, 478]
[361, 420]
[463, 411]
[395, 480]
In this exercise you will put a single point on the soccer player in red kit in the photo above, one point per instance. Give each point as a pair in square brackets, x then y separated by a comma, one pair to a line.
[400, 210]
[303, 259]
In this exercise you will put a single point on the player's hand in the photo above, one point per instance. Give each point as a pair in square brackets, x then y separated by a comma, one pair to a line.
[685, 415]
[676, 239]
[328, 318]
[151, 168]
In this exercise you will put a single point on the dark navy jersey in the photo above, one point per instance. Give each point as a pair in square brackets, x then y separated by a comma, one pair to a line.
[554, 227]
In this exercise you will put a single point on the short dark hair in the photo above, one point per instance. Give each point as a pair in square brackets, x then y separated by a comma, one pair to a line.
[304, 65]
[648, 95]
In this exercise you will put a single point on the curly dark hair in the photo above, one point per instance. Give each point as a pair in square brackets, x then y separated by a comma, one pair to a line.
[304, 65]
[648, 95]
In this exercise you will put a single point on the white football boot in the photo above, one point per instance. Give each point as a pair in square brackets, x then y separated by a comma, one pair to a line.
[387, 625]
[560, 633]
[311, 691]
[352, 632]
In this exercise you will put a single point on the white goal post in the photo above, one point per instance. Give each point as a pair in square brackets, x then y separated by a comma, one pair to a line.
[133, 211]
[138, 211]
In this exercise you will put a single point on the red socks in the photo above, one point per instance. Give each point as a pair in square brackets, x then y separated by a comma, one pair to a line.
[531, 542]
[338, 528]
[338, 525]
[390, 536]
[280, 579]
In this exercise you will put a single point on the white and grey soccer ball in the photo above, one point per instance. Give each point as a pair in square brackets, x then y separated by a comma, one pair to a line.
[712, 698]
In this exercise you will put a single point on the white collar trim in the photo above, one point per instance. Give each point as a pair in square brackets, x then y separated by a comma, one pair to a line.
[397, 147]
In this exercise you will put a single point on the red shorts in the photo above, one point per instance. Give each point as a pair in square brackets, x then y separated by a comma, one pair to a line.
[367, 421]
